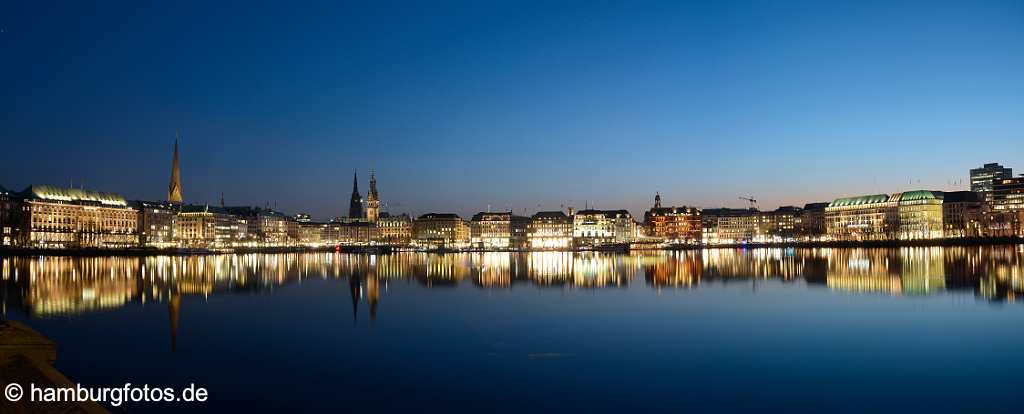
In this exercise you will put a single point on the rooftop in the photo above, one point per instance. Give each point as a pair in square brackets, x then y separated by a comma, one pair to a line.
[960, 197]
[672, 210]
[435, 216]
[54, 193]
[815, 206]
[203, 208]
[550, 215]
[501, 215]
[861, 200]
[606, 213]
[728, 211]
[916, 195]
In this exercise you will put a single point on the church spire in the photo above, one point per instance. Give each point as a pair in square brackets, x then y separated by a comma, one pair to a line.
[657, 200]
[372, 200]
[373, 185]
[174, 189]
[355, 205]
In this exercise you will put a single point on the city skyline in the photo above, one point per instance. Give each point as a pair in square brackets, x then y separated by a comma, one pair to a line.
[358, 205]
[458, 107]
[511, 206]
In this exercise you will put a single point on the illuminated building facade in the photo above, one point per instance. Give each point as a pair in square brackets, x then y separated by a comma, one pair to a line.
[919, 214]
[440, 230]
[549, 230]
[811, 222]
[983, 179]
[491, 230]
[156, 223]
[681, 225]
[311, 233]
[266, 226]
[291, 228]
[728, 225]
[351, 233]
[10, 218]
[779, 225]
[498, 231]
[209, 227]
[394, 231]
[867, 217]
[58, 217]
[520, 231]
[1008, 194]
[961, 214]
[737, 226]
[593, 228]
[1004, 215]
[911, 215]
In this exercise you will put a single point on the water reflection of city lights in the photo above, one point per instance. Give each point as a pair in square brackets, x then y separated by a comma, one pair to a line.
[66, 285]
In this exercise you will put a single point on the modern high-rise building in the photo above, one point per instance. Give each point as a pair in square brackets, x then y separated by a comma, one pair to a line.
[1008, 193]
[1005, 215]
[372, 200]
[355, 205]
[983, 177]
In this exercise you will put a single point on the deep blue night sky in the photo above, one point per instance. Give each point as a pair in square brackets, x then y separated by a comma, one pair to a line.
[510, 104]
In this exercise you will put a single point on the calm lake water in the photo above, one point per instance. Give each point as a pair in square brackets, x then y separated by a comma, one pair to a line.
[921, 329]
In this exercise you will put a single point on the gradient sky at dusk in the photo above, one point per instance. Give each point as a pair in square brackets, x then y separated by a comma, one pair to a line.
[510, 104]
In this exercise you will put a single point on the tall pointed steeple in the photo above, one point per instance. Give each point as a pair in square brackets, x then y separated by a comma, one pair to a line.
[174, 189]
[372, 201]
[657, 200]
[373, 185]
[355, 205]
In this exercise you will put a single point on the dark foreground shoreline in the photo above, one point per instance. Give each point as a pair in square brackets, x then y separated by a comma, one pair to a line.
[95, 252]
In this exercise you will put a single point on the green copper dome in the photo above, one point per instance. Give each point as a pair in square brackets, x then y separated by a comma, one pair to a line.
[862, 200]
[917, 195]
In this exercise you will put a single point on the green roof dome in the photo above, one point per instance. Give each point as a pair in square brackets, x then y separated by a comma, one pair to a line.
[862, 200]
[917, 195]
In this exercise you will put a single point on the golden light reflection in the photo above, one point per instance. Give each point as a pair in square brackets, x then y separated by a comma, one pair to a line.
[49, 286]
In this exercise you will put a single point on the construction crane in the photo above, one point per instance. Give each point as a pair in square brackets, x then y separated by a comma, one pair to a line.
[751, 200]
